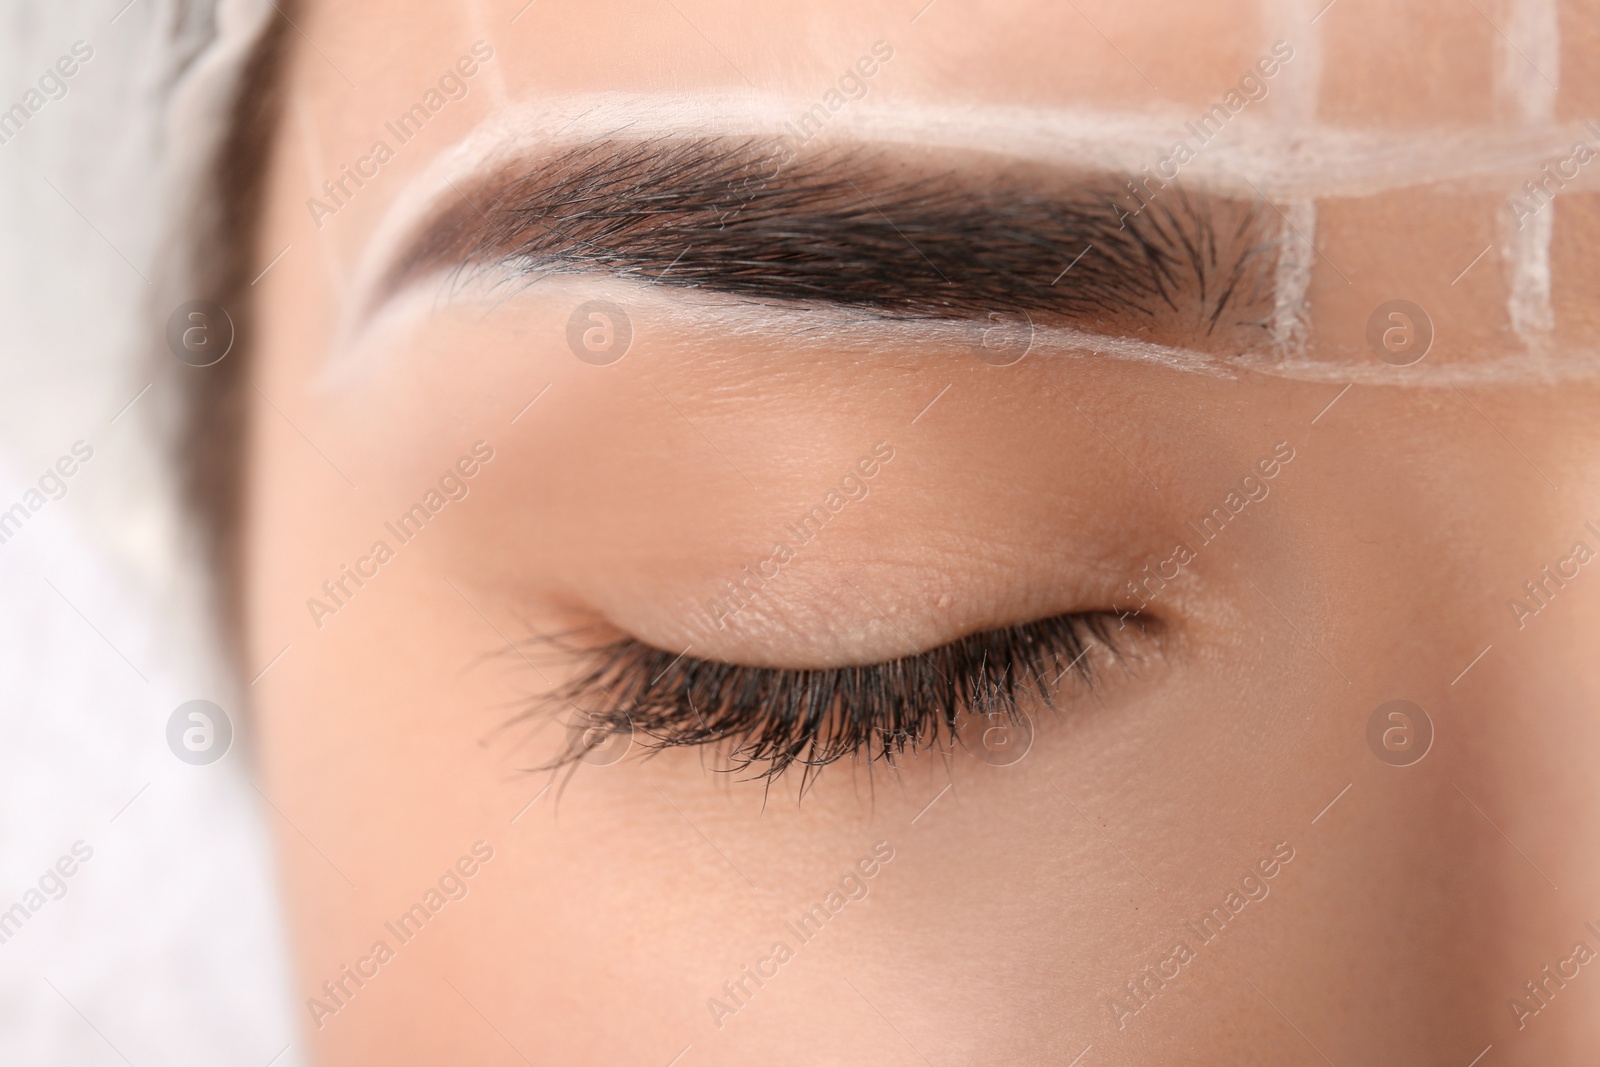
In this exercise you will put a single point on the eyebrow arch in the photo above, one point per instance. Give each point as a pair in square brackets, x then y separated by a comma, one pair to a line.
[890, 232]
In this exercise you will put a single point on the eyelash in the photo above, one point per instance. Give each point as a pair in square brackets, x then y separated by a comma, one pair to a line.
[772, 719]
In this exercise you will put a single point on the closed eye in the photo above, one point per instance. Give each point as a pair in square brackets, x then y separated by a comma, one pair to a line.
[770, 719]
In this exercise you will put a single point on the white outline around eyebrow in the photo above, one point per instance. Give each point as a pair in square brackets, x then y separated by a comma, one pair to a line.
[845, 331]
[1319, 161]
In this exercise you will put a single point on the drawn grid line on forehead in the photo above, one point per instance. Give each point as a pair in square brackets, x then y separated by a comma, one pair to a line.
[842, 331]
[1296, 102]
[1318, 161]
[1527, 76]
[1291, 157]
[508, 138]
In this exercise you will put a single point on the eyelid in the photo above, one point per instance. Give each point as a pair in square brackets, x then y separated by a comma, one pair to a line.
[773, 718]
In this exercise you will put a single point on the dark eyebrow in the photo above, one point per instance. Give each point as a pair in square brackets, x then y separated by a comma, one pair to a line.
[863, 229]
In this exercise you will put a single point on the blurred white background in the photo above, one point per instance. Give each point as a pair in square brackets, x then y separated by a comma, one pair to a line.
[167, 945]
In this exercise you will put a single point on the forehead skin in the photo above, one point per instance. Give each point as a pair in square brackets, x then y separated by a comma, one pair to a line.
[1381, 70]
[1029, 912]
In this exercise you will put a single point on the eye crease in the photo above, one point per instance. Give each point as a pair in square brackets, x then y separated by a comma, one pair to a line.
[770, 719]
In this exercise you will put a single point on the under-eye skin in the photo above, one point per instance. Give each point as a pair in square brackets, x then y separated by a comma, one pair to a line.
[770, 719]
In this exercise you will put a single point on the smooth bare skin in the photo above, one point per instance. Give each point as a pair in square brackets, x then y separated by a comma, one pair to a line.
[1016, 906]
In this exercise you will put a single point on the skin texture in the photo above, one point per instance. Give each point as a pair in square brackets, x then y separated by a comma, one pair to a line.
[1020, 900]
